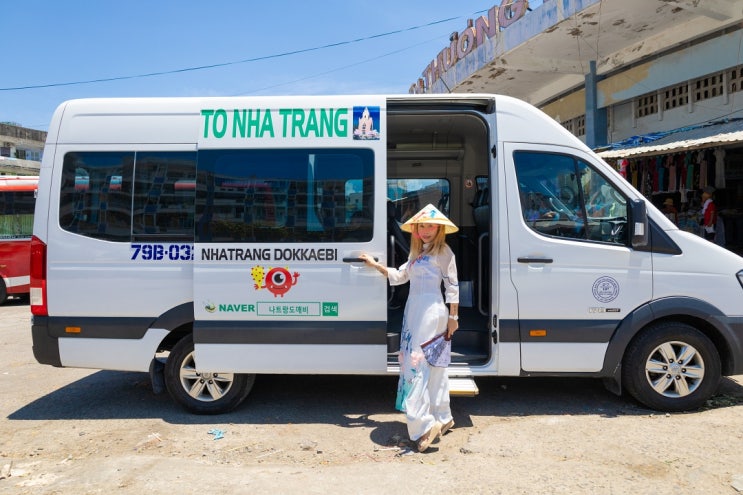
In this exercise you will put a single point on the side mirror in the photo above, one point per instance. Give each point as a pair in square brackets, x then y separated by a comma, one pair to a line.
[639, 219]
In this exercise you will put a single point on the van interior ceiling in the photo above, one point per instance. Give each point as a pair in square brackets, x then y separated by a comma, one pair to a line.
[451, 148]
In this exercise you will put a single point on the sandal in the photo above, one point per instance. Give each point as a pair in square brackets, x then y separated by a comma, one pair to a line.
[447, 427]
[428, 437]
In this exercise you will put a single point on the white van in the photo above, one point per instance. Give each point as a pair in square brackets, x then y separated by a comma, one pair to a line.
[220, 236]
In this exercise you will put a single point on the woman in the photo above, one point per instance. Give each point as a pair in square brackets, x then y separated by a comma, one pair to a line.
[423, 390]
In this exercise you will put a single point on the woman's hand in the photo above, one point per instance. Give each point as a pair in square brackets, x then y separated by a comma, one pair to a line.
[451, 327]
[453, 324]
[368, 259]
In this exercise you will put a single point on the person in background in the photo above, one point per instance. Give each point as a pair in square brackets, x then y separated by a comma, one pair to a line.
[669, 210]
[423, 390]
[538, 209]
[709, 213]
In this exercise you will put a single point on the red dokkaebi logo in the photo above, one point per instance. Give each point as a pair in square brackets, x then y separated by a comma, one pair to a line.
[278, 280]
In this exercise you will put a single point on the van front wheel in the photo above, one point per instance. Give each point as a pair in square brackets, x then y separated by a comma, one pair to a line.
[202, 392]
[672, 367]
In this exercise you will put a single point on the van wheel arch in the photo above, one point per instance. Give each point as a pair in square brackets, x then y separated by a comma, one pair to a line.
[688, 310]
[199, 391]
[671, 366]
[175, 336]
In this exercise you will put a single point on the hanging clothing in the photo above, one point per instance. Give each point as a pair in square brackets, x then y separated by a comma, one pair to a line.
[709, 155]
[634, 173]
[720, 167]
[683, 170]
[702, 161]
[690, 171]
[655, 174]
[671, 173]
[423, 390]
[646, 176]
[661, 172]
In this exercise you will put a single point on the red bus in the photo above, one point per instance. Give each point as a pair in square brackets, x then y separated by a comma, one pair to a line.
[17, 200]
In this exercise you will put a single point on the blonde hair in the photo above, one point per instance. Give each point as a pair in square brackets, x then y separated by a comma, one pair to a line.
[416, 244]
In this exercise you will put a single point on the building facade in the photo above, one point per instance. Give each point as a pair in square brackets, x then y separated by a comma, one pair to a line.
[21, 149]
[655, 86]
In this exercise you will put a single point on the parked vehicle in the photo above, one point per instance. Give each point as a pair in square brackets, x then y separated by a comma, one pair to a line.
[209, 240]
[17, 198]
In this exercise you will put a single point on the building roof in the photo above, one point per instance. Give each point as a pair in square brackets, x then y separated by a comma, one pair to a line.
[546, 53]
[686, 138]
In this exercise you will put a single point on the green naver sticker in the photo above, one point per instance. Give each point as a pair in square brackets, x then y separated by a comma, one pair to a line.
[330, 309]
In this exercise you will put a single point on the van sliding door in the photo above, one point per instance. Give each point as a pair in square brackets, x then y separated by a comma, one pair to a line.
[279, 221]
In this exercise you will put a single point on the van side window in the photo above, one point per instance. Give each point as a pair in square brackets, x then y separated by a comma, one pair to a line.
[410, 195]
[129, 196]
[96, 195]
[285, 195]
[164, 190]
[563, 196]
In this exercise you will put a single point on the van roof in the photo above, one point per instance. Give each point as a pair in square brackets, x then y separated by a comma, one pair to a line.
[177, 120]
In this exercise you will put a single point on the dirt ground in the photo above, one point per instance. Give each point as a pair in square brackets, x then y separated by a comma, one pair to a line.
[69, 431]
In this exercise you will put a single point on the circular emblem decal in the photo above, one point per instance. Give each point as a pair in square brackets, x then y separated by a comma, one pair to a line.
[605, 289]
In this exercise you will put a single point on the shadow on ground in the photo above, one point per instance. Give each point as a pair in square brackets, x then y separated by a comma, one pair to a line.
[342, 400]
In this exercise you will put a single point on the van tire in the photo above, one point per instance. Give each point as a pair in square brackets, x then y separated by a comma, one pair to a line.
[655, 372]
[3, 291]
[200, 392]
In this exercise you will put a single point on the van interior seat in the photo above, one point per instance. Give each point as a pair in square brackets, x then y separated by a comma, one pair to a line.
[481, 216]
[481, 211]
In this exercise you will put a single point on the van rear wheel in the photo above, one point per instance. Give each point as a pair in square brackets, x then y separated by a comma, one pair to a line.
[202, 392]
[671, 366]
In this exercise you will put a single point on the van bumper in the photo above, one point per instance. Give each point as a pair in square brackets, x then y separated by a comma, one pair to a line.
[45, 346]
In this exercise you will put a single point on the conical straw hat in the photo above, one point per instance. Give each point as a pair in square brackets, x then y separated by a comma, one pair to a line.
[430, 214]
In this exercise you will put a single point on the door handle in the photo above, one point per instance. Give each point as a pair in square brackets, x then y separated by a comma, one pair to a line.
[529, 259]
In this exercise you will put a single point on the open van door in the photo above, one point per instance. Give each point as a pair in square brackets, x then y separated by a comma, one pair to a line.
[288, 195]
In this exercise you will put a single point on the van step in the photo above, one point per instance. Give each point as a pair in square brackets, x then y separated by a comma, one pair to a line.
[457, 358]
[462, 386]
[468, 356]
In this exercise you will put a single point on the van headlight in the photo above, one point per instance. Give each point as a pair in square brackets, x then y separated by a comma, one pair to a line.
[740, 277]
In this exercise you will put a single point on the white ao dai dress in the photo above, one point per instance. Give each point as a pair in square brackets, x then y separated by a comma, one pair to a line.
[423, 390]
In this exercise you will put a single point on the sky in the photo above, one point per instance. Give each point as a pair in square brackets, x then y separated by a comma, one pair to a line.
[55, 48]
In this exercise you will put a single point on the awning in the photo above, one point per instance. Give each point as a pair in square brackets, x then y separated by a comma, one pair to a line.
[688, 138]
